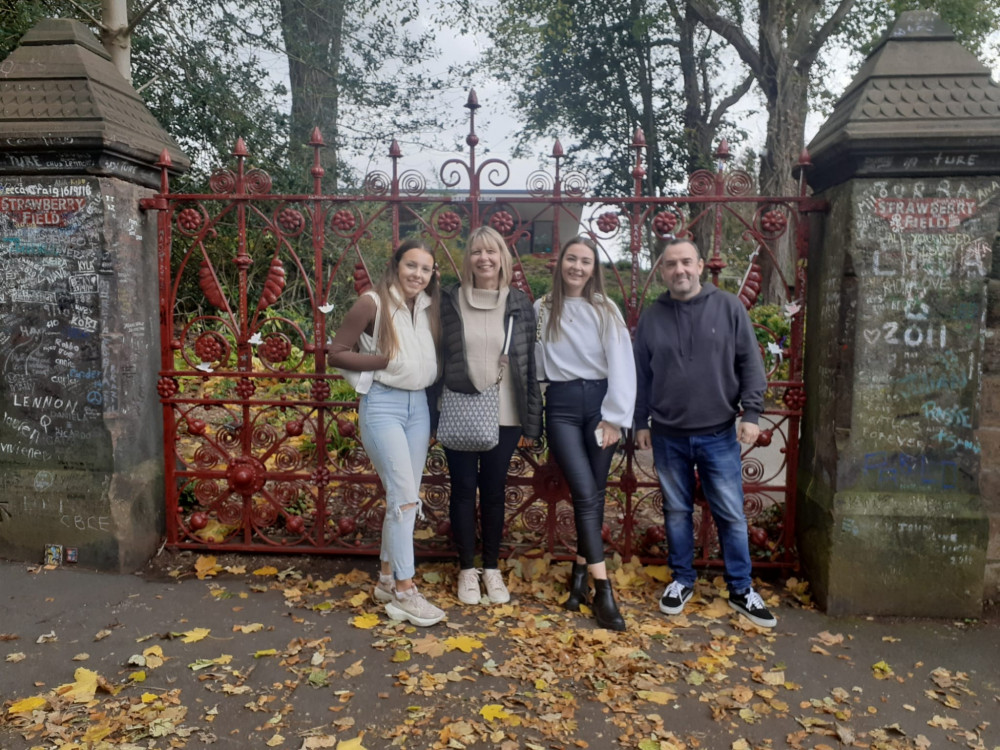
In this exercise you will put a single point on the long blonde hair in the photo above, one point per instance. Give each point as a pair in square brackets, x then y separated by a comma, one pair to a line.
[593, 290]
[388, 342]
[487, 236]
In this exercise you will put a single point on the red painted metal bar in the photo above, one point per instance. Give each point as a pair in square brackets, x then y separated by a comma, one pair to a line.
[261, 449]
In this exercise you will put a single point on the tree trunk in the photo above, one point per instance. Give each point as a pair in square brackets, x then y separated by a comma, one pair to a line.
[787, 106]
[116, 35]
[313, 32]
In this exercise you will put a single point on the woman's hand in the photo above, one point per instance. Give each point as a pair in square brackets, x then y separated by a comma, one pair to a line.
[611, 434]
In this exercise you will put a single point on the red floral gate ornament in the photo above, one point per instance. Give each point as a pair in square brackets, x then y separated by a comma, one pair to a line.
[261, 439]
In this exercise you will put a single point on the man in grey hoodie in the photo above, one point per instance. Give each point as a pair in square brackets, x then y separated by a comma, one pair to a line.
[697, 364]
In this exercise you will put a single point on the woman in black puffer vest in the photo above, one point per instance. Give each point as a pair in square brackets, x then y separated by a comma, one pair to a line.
[475, 317]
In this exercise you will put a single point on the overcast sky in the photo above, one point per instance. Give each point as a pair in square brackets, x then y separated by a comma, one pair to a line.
[497, 126]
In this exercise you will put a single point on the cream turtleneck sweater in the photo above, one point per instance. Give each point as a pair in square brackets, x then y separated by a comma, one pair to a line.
[482, 313]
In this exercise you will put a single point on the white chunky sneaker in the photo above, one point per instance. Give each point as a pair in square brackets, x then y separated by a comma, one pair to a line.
[468, 586]
[410, 605]
[385, 589]
[496, 589]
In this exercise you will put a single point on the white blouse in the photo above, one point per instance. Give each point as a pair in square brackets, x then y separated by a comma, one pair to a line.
[593, 344]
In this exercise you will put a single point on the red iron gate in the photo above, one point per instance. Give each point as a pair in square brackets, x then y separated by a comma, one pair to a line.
[260, 437]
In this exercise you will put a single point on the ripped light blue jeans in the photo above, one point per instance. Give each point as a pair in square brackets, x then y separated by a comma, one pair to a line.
[395, 431]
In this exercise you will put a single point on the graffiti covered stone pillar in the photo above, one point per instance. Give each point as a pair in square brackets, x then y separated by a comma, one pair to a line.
[80, 437]
[890, 519]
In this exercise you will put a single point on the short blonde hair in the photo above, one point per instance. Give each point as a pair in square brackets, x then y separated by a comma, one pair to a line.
[486, 237]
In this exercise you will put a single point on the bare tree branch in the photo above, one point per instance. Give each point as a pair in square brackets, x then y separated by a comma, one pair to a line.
[137, 18]
[829, 27]
[83, 11]
[708, 14]
[738, 93]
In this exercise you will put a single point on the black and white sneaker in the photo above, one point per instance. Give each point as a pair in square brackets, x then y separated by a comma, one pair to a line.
[752, 607]
[675, 596]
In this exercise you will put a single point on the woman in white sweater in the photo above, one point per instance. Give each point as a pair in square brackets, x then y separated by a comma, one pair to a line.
[584, 353]
[397, 330]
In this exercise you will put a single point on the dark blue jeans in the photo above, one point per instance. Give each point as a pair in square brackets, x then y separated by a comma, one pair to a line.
[487, 472]
[719, 467]
[572, 413]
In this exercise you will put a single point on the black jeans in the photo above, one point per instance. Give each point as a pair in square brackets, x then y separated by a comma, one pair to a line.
[572, 413]
[486, 471]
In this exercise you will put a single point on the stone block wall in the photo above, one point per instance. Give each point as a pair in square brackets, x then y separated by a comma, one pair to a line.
[989, 431]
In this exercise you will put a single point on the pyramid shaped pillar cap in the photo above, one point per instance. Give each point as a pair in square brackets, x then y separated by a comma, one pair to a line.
[65, 109]
[920, 106]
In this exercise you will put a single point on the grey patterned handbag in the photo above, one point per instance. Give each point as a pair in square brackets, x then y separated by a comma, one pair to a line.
[471, 421]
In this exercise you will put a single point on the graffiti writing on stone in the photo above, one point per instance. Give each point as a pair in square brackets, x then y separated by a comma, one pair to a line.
[902, 471]
[51, 251]
[922, 255]
[925, 214]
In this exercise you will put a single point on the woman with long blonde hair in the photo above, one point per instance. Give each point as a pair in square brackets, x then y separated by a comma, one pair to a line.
[480, 319]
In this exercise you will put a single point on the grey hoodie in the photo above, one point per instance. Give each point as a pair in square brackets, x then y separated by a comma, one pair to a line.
[697, 363]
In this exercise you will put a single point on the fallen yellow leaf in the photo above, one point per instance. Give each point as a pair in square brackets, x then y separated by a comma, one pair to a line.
[881, 670]
[205, 565]
[149, 697]
[265, 652]
[81, 691]
[27, 705]
[366, 621]
[358, 599]
[354, 744]
[96, 733]
[266, 571]
[463, 643]
[154, 657]
[275, 741]
[193, 636]
[493, 711]
[137, 676]
[253, 627]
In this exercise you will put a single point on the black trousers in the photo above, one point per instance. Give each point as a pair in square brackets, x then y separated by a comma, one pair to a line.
[487, 472]
[572, 413]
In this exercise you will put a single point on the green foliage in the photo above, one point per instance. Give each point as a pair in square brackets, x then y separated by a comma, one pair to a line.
[206, 71]
[972, 20]
[537, 274]
[16, 17]
[778, 329]
[593, 71]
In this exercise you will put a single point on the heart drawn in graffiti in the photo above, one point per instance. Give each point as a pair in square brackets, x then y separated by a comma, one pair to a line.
[872, 336]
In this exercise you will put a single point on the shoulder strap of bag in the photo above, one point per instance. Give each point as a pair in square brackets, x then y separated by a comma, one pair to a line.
[506, 347]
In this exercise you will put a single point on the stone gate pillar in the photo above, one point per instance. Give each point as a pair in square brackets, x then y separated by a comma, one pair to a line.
[890, 517]
[80, 437]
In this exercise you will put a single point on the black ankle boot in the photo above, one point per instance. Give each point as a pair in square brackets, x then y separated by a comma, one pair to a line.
[605, 610]
[579, 591]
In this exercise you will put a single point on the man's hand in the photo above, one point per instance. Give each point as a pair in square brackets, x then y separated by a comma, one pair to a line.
[643, 440]
[747, 433]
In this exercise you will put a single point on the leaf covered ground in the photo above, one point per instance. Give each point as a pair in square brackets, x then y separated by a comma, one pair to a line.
[240, 652]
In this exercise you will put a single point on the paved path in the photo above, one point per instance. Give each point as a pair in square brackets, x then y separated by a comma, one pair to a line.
[299, 657]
